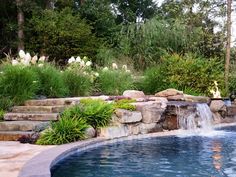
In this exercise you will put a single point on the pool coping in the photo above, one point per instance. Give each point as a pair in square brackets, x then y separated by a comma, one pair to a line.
[40, 165]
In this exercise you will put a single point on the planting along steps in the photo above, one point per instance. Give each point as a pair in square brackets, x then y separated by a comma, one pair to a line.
[33, 117]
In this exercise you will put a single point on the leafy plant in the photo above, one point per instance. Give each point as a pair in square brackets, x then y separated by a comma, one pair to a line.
[5, 103]
[66, 130]
[114, 82]
[125, 104]
[51, 81]
[188, 73]
[18, 83]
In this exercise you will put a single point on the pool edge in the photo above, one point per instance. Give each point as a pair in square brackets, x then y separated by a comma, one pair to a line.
[40, 165]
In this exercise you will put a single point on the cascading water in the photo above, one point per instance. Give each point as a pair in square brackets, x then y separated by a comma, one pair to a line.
[199, 121]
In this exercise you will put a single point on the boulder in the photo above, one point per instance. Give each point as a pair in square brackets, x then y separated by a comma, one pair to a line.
[169, 92]
[196, 99]
[151, 114]
[90, 132]
[114, 132]
[134, 94]
[176, 98]
[162, 100]
[217, 106]
[149, 128]
[125, 116]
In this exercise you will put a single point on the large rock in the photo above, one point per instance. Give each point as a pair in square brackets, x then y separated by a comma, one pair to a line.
[162, 100]
[126, 116]
[134, 94]
[151, 114]
[169, 92]
[114, 132]
[149, 128]
[196, 99]
[217, 106]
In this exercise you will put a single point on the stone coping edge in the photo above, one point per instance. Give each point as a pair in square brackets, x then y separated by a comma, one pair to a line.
[40, 165]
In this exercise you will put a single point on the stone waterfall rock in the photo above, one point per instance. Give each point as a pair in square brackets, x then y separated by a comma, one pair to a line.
[134, 94]
[170, 122]
[169, 92]
[125, 116]
[151, 114]
[114, 132]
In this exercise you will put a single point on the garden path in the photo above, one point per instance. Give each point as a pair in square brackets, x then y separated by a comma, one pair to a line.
[13, 155]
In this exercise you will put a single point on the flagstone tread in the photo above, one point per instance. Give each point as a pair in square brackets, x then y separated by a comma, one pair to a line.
[13, 135]
[31, 116]
[23, 125]
[38, 109]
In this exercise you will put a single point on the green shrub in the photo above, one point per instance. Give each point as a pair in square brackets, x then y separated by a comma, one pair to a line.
[125, 104]
[51, 81]
[78, 84]
[66, 130]
[188, 73]
[114, 82]
[2, 112]
[96, 113]
[18, 83]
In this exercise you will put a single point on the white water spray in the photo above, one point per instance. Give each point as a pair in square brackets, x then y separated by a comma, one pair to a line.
[199, 122]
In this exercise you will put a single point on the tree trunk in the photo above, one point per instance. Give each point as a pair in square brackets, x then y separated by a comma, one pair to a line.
[227, 57]
[20, 20]
[81, 2]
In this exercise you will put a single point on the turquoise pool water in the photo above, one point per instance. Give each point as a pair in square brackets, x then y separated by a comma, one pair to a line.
[191, 156]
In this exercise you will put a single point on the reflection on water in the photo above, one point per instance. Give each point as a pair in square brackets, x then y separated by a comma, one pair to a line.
[217, 157]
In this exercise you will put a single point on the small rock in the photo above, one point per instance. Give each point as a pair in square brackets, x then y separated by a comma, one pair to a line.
[169, 92]
[134, 94]
[90, 132]
[126, 116]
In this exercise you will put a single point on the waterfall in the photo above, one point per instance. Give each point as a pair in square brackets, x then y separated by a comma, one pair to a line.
[195, 121]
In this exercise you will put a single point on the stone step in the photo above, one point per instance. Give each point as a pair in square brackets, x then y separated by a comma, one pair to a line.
[13, 135]
[46, 102]
[23, 125]
[31, 116]
[61, 101]
[38, 109]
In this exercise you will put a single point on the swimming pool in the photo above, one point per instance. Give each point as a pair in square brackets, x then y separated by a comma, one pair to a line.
[174, 156]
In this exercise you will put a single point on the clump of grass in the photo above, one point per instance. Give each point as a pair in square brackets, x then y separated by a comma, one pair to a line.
[66, 130]
[18, 83]
[114, 82]
[51, 81]
[79, 84]
[125, 104]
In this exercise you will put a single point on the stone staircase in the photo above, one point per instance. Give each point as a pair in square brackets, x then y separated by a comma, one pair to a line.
[33, 117]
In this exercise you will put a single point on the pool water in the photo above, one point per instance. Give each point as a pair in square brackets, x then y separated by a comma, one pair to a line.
[175, 156]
